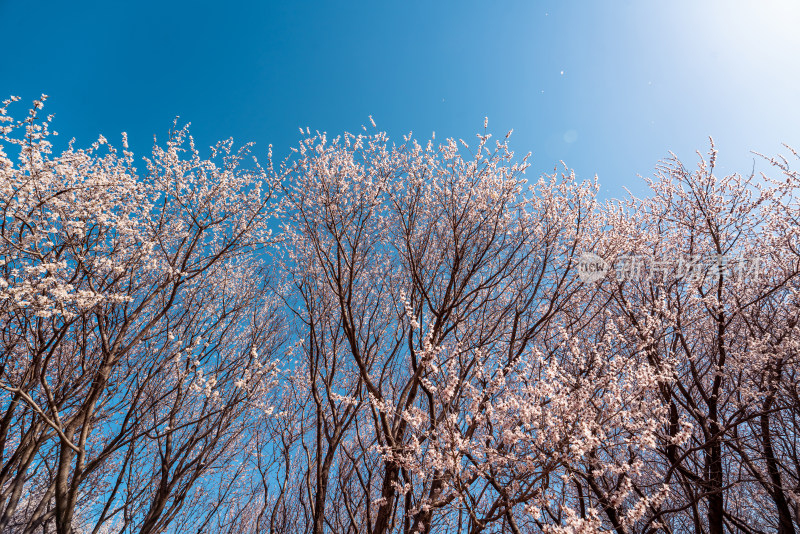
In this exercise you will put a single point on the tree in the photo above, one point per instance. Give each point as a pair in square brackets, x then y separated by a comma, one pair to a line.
[416, 351]
[714, 310]
[438, 301]
[137, 341]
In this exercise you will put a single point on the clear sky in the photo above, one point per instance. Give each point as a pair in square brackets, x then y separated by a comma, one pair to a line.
[609, 87]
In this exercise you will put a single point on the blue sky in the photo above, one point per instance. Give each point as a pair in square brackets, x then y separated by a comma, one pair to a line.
[608, 87]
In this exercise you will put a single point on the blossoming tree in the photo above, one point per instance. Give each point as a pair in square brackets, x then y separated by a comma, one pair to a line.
[390, 338]
[136, 339]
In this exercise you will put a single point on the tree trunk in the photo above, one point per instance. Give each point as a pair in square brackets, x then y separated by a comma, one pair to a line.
[716, 505]
[785, 525]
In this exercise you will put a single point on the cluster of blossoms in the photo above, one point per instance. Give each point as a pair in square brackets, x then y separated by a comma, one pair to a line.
[412, 352]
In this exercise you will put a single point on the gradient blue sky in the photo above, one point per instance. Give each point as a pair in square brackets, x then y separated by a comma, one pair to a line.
[608, 87]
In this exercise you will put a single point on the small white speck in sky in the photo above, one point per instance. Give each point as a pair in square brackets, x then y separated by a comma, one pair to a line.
[562, 72]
